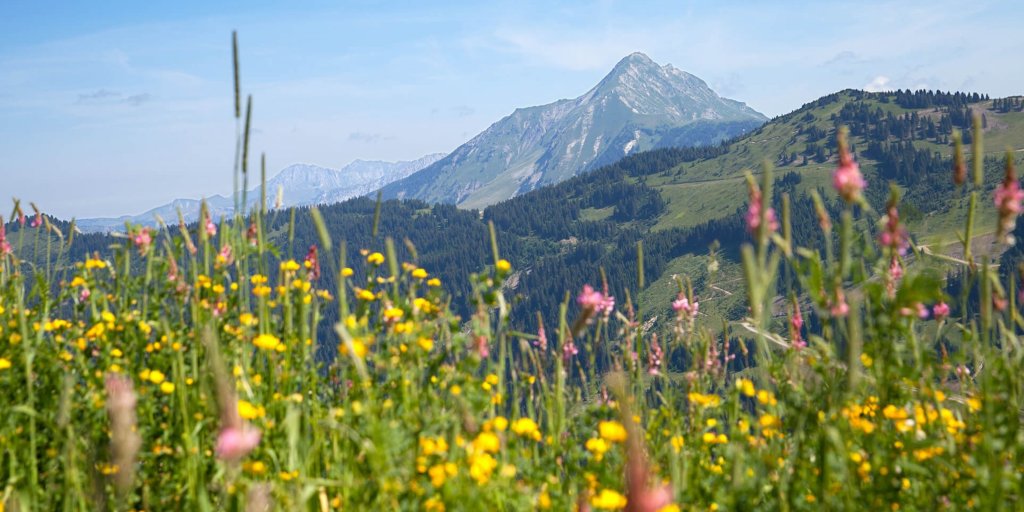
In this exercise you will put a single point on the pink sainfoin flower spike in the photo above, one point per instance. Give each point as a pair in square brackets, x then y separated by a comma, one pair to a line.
[312, 263]
[569, 351]
[235, 442]
[654, 357]
[753, 216]
[1008, 197]
[142, 240]
[796, 324]
[683, 307]
[211, 228]
[541, 343]
[847, 179]
[37, 220]
[894, 236]
[940, 310]
[5, 246]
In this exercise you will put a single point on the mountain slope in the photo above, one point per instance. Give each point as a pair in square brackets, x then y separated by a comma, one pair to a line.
[639, 105]
[299, 185]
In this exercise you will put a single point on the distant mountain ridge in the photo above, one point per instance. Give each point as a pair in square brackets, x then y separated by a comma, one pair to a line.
[639, 105]
[300, 185]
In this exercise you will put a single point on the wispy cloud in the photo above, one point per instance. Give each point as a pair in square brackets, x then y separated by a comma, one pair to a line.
[368, 138]
[108, 97]
[878, 84]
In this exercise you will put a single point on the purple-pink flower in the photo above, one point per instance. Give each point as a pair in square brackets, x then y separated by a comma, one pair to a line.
[894, 236]
[753, 216]
[847, 179]
[683, 307]
[569, 350]
[1008, 197]
[593, 301]
[940, 310]
[142, 240]
[233, 443]
[211, 228]
[5, 246]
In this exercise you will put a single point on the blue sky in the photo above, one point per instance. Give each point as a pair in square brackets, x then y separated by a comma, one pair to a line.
[111, 108]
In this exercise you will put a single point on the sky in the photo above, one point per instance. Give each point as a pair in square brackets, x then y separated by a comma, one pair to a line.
[115, 107]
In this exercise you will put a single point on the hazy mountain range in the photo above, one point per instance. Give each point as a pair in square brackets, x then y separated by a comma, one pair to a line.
[300, 185]
[638, 106]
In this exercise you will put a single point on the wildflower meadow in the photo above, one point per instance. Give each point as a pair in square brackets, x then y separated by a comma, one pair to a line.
[182, 370]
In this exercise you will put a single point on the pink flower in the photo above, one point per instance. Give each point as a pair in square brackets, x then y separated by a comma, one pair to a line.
[654, 358]
[895, 269]
[142, 239]
[5, 246]
[1008, 198]
[211, 228]
[683, 307]
[233, 443]
[37, 220]
[313, 263]
[796, 323]
[541, 342]
[568, 351]
[922, 311]
[895, 235]
[753, 216]
[839, 307]
[84, 295]
[226, 256]
[482, 347]
[940, 310]
[593, 301]
[847, 179]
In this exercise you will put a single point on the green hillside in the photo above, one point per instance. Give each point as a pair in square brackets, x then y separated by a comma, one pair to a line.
[678, 201]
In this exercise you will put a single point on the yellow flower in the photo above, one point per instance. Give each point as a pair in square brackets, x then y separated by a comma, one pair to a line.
[677, 443]
[500, 424]
[358, 348]
[95, 263]
[366, 295]
[393, 314]
[487, 442]
[261, 291]
[347, 272]
[156, 376]
[746, 387]
[526, 427]
[4, 363]
[425, 343]
[289, 266]
[375, 258]
[598, 447]
[503, 266]
[608, 500]
[77, 281]
[866, 360]
[248, 319]
[481, 466]
[248, 411]
[704, 400]
[419, 273]
[973, 404]
[266, 341]
[671, 507]
[612, 431]
[255, 467]
[434, 282]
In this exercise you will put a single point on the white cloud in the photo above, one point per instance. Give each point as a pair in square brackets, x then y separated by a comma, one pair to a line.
[880, 83]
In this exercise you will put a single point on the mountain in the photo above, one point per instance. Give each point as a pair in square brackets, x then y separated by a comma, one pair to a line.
[679, 201]
[686, 206]
[638, 106]
[299, 185]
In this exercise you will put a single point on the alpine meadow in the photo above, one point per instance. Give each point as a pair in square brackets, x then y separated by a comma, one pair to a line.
[649, 298]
